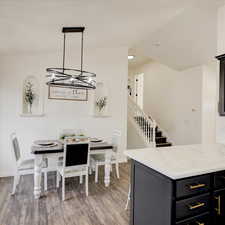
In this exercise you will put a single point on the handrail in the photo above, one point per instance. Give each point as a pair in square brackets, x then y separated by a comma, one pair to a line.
[139, 108]
[146, 126]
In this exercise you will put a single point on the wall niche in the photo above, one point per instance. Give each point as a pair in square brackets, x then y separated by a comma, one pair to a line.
[31, 97]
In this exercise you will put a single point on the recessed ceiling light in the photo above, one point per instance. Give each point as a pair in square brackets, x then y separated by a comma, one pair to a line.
[157, 44]
[130, 56]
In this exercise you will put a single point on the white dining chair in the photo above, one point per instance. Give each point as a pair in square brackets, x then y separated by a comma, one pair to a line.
[75, 164]
[99, 159]
[24, 166]
[67, 133]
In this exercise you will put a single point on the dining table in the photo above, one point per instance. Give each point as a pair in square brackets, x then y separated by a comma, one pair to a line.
[55, 152]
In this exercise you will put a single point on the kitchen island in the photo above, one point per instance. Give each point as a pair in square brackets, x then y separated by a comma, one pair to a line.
[179, 185]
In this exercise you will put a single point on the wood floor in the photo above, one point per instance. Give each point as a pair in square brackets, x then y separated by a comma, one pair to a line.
[103, 206]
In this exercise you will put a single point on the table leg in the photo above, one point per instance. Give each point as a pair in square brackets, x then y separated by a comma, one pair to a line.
[37, 175]
[108, 156]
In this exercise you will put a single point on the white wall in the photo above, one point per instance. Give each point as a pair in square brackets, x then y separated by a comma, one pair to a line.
[111, 68]
[173, 99]
[134, 140]
[209, 102]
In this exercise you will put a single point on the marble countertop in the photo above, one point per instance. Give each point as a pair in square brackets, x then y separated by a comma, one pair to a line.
[179, 162]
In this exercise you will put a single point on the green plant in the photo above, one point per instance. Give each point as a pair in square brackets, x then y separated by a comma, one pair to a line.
[29, 94]
[63, 136]
[101, 103]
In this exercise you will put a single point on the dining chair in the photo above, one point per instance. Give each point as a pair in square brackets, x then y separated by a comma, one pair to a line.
[99, 159]
[24, 166]
[75, 163]
[65, 134]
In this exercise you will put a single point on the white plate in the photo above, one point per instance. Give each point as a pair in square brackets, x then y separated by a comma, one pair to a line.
[43, 143]
[95, 140]
[47, 146]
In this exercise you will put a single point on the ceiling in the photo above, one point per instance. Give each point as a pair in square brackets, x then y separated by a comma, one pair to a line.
[35, 26]
[187, 40]
[139, 58]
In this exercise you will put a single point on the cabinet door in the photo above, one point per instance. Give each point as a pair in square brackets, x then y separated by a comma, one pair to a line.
[151, 197]
[219, 207]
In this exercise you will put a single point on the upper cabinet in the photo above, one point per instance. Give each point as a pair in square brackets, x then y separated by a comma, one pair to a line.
[221, 107]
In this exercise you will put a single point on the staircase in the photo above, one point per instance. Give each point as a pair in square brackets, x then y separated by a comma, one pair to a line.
[146, 126]
[161, 141]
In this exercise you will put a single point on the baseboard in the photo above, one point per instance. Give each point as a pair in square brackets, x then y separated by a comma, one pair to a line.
[7, 174]
[123, 159]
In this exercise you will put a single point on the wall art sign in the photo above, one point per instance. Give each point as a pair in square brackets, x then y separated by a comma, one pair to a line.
[67, 93]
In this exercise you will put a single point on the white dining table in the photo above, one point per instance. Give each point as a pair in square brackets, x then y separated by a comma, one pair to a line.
[41, 153]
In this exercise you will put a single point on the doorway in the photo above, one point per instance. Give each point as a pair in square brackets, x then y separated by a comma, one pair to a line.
[139, 89]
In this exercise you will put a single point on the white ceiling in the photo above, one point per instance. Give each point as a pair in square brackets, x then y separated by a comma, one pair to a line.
[35, 26]
[187, 40]
[139, 58]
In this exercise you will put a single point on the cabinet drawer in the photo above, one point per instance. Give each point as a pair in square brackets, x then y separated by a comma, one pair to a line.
[194, 185]
[219, 180]
[192, 206]
[203, 219]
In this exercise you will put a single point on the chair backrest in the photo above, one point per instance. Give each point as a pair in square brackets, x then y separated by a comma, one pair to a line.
[116, 137]
[15, 146]
[76, 154]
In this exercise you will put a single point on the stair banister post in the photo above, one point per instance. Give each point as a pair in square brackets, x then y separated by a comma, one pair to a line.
[153, 133]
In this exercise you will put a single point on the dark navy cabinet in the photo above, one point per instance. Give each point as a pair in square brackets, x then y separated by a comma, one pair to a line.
[158, 200]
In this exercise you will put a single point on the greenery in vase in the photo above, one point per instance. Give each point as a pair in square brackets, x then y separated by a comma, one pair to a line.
[101, 103]
[29, 94]
[63, 136]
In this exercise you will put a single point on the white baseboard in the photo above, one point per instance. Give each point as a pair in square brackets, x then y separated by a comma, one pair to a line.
[123, 159]
[7, 174]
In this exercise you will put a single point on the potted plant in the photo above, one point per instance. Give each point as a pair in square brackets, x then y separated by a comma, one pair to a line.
[100, 105]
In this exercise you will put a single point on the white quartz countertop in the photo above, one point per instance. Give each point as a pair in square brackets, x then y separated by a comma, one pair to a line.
[179, 162]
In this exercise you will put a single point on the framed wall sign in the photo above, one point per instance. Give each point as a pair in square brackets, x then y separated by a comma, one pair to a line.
[67, 93]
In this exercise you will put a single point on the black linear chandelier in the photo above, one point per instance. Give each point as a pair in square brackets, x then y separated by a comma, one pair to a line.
[68, 77]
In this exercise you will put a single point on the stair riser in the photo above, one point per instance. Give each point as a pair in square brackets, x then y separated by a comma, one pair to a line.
[158, 134]
[161, 140]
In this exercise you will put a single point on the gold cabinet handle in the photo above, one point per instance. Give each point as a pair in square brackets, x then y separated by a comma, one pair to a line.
[218, 198]
[196, 206]
[200, 223]
[196, 186]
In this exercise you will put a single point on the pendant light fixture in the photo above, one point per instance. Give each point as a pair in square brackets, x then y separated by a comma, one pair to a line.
[70, 77]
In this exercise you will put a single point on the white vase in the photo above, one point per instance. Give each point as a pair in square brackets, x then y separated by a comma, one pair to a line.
[100, 112]
[29, 107]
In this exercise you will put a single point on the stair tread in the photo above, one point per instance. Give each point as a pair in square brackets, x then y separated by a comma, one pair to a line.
[166, 144]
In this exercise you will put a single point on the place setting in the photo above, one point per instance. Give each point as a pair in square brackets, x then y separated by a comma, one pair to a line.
[45, 144]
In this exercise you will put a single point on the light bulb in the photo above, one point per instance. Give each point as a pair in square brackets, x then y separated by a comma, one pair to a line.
[53, 76]
[72, 80]
[131, 57]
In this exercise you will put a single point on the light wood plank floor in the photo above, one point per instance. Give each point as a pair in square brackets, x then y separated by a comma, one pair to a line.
[103, 206]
